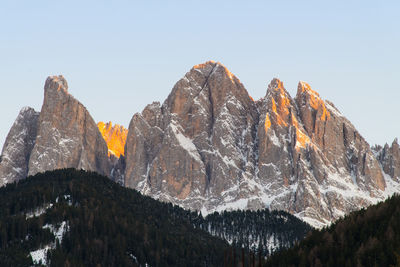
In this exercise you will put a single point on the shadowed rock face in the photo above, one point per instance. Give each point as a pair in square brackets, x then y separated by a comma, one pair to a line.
[18, 146]
[211, 147]
[389, 157]
[67, 135]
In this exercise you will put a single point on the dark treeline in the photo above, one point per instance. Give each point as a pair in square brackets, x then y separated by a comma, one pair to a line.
[369, 237]
[109, 225]
[262, 231]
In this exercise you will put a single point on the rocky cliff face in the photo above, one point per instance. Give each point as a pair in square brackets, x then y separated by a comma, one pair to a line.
[67, 135]
[313, 162]
[389, 157]
[199, 146]
[211, 147]
[18, 146]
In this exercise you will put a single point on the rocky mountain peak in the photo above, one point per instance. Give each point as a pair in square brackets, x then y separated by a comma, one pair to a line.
[67, 135]
[312, 109]
[56, 83]
[278, 103]
[18, 146]
[305, 88]
[276, 84]
[389, 158]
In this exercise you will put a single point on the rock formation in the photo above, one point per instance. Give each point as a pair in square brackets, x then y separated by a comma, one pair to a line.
[18, 146]
[210, 147]
[67, 135]
[389, 157]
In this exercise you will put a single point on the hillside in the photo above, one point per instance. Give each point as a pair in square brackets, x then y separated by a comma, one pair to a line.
[107, 225]
[81, 218]
[369, 237]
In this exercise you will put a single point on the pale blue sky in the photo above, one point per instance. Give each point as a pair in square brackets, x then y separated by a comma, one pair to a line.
[119, 56]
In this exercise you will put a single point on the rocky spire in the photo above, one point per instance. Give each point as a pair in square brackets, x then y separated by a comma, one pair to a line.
[67, 136]
[389, 158]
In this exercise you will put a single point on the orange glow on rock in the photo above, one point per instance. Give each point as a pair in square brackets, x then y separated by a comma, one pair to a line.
[315, 101]
[267, 123]
[301, 139]
[202, 65]
[115, 137]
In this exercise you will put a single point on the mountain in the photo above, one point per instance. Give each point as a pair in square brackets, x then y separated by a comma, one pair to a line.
[369, 237]
[80, 218]
[389, 157]
[198, 147]
[210, 147]
[67, 135]
[18, 146]
[62, 135]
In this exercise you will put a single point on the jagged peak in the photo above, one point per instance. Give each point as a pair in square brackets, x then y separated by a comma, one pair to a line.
[276, 86]
[304, 87]
[24, 112]
[109, 125]
[27, 109]
[276, 92]
[308, 97]
[211, 67]
[395, 142]
[56, 82]
[205, 64]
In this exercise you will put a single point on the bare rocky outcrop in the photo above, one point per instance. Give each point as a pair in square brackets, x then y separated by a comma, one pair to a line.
[389, 157]
[18, 146]
[67, 135]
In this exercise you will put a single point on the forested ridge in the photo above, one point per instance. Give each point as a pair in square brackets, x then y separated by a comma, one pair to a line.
[262, 231]
[369, 237]
[109, 225]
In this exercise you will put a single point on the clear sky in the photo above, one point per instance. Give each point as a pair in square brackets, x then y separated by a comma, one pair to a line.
[118, 56]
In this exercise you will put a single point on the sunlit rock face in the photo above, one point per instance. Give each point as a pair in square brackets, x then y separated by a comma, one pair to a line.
[18, 146]
[115, 137]
[210, 147]
[67, 135]
[325, 169]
